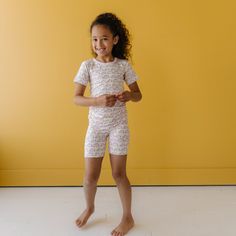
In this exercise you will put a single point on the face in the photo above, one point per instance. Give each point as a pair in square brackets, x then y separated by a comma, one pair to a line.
[103, 40]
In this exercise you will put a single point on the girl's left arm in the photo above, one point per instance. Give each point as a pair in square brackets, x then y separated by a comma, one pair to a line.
[133, 95]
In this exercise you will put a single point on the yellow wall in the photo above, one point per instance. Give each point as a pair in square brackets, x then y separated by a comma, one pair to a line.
[182, 132]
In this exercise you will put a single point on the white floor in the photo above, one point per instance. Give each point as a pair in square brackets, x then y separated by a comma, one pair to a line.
[157, 211]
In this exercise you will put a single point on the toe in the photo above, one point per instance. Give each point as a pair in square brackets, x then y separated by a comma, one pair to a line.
[120, 234]
[80, 223]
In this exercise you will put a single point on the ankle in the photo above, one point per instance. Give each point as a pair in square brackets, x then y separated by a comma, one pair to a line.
[90, 209]
[127, 216]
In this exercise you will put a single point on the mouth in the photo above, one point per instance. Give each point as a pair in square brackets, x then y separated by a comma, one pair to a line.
[101, 50]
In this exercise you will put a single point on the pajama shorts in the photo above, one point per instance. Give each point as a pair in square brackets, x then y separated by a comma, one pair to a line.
[96, 139]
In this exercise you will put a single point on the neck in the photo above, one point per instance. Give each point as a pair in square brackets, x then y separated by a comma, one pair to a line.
[105, 58]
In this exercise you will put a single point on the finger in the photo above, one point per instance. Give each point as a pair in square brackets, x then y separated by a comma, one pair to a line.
[118, 94]
[112, 99]
[110, 102]
[110, 95]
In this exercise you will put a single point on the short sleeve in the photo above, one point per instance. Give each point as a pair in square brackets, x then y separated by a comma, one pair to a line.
[130, 75]
[82, 75]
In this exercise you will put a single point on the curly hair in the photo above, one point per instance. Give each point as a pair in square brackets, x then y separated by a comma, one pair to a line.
[122, 49]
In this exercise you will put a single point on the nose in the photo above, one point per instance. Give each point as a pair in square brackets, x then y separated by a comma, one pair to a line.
[99, 43]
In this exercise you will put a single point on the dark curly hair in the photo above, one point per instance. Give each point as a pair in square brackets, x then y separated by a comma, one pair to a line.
[122, 49]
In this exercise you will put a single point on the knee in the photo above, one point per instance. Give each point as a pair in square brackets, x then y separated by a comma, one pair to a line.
[90, 179]
[118, 175]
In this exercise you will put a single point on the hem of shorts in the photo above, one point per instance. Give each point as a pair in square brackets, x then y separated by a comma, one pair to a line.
[119, 154]
[93, 156]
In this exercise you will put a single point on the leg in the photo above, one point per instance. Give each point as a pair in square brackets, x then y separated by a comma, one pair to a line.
[118, 164]
[95, 144]
[92, 173]
[118, 148]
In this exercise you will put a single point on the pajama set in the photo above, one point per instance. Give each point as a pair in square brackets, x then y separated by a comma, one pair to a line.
[106, 122]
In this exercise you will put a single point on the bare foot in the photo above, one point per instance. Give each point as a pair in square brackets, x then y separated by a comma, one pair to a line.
[125, 225]
[82, 220]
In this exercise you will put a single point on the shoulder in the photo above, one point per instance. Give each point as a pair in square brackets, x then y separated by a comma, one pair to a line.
[123, 63]
[126, 64]
[87, 62]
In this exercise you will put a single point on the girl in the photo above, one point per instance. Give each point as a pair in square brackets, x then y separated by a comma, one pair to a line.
[106, 72]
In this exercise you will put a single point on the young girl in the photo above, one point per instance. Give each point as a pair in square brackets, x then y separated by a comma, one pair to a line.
[106, 72]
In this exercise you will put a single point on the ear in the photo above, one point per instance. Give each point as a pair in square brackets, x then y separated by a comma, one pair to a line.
[116, 39]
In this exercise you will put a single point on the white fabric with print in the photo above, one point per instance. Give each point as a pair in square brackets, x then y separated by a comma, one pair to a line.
[105, 78]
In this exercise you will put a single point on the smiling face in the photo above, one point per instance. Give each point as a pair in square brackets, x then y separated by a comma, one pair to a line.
[103, 41]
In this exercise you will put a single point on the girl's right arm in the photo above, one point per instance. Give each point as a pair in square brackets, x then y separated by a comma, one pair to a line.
[103, 100]
[80, 99]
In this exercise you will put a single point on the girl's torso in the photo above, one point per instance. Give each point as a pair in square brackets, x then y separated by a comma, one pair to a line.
[107, 78]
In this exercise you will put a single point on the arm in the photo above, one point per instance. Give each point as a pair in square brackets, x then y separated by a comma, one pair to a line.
[136, 94]
[80, 99]
[103, 100]
[133, 95]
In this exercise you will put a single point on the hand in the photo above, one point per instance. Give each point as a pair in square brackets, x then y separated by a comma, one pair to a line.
[124, 96]
[106, 100]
